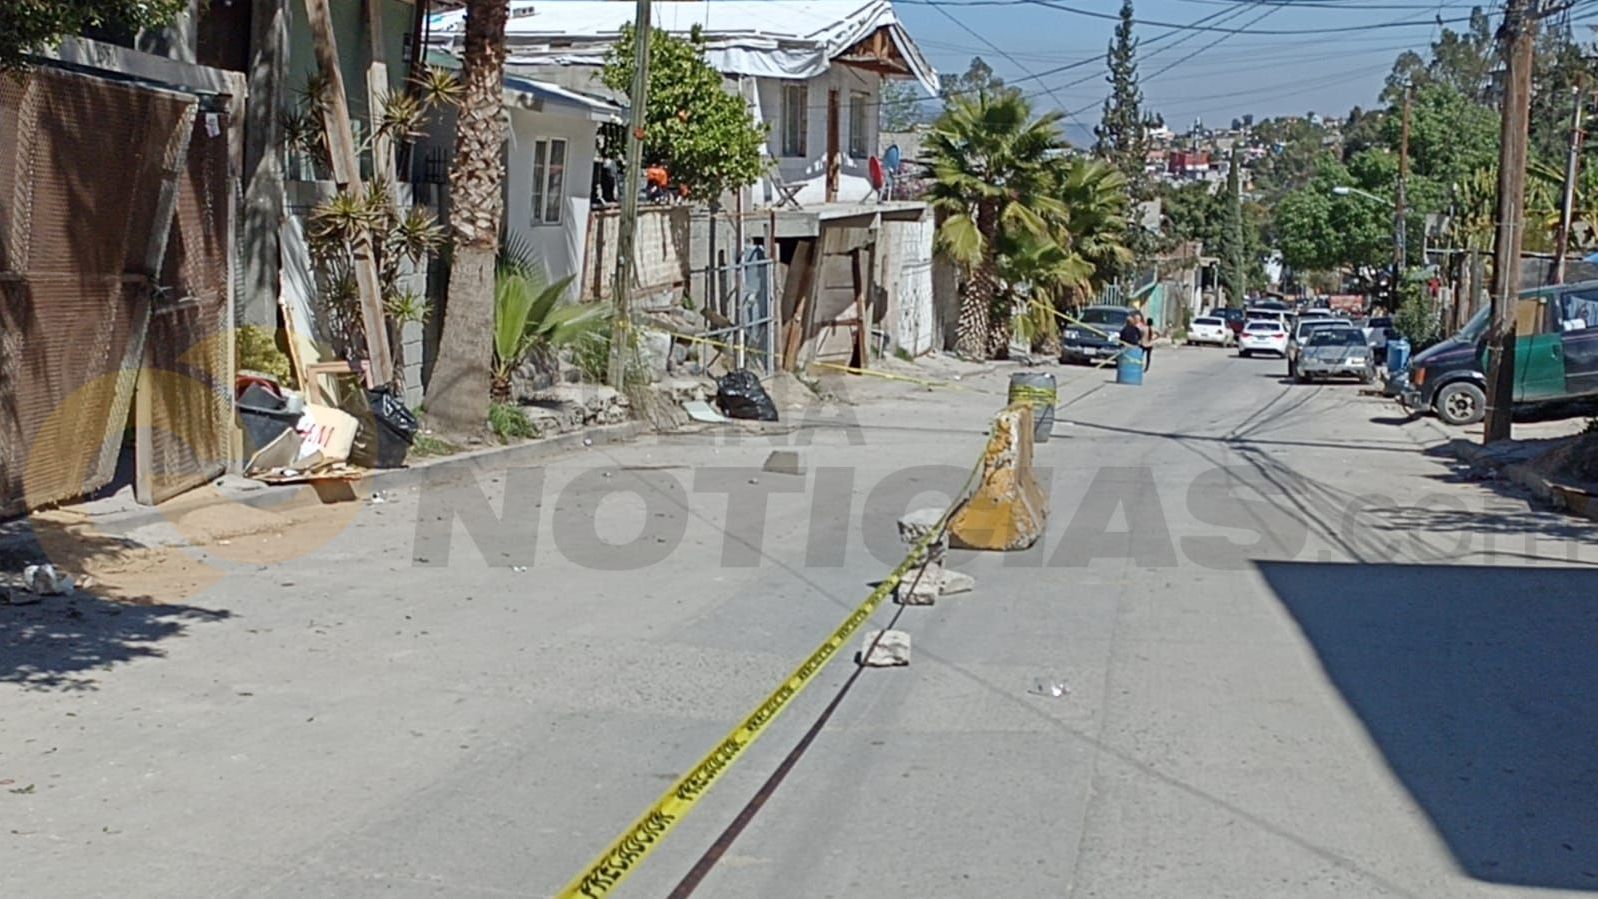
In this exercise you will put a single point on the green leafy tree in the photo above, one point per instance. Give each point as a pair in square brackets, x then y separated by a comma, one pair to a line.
[703, 135]
[978, 78]
[28, 26]
[1295, 146]
[992, 180]
[900, 108]
[1193, 212]
[1450, 135]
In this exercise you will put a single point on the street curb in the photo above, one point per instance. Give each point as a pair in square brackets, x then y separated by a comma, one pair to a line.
[494, 459]
[1563, 497]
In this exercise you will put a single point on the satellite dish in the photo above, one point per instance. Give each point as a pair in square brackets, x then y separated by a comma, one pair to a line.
[890, 158]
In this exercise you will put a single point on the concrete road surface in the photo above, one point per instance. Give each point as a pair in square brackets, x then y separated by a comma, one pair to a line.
[1301, 657]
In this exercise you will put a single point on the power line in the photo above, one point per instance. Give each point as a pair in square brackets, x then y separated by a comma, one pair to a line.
[1000, 50]
[1155, 23]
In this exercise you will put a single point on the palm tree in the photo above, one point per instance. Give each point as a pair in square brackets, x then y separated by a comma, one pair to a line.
[1097, 198]
[990, 161]
[1079, 253]
[458, 395]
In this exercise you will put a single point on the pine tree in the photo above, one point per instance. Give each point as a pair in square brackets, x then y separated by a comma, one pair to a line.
[1123, 130]
[1233, 248]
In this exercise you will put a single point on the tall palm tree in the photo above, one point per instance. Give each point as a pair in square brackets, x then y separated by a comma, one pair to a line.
[991, 179]
[458, 395]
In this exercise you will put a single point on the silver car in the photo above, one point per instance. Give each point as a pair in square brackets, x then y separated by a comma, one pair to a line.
[1330, 352]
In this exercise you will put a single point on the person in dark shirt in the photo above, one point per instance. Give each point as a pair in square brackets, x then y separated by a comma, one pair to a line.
[1132, 332]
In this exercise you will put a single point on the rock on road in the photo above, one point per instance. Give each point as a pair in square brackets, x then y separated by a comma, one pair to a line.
[1304, 657]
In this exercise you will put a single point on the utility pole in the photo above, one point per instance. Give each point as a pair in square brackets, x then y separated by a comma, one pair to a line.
[621, 325]
[1568, 203]
[1518, 36]
[1400, 217]
[1239, 272]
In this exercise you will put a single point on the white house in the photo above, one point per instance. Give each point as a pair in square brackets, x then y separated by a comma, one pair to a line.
[549, 171]
[811, 70]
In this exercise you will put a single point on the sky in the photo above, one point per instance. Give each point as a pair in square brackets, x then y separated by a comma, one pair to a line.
[1187, 74]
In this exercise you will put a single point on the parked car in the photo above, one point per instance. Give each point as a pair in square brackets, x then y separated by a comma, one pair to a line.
[1234, 319]
[1263, 336]
[1211, 330]
[1556, 357]
[1330, 352]
[1093, 334]
[1301, 332]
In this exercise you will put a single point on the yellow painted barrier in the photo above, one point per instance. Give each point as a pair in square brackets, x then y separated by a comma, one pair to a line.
[1008, 509]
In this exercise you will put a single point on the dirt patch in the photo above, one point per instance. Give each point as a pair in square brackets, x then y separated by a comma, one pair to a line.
[126, 570]
[1574, 459]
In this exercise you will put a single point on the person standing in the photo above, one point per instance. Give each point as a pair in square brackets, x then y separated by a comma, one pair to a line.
[1146, 340]
[1132, 332]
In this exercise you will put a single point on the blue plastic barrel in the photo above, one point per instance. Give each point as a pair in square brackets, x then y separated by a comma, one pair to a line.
[1397, 354]
[1129, 366]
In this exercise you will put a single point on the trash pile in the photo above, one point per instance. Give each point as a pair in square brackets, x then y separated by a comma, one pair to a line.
[288, 439]
[39, 581]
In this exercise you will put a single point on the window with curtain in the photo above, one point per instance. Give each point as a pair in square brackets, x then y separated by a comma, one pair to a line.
[859, 116]
[795, 119]
[549, 181]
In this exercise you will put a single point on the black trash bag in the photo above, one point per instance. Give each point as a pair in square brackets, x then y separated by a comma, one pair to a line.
[384, 432]
[740, 395]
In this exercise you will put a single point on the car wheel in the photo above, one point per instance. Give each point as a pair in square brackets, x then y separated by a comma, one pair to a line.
[1244, 353]
[1461, 403]
[1301, 378]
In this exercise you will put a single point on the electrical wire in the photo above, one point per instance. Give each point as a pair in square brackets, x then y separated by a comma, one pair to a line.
[1178, 26]
[995, 47]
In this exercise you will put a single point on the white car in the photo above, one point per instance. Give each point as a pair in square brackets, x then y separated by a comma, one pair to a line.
[1262, 336]
[1210, 330]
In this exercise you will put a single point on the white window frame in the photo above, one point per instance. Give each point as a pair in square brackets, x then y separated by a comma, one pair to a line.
[795, 119]
[859, 124]
[545, 176]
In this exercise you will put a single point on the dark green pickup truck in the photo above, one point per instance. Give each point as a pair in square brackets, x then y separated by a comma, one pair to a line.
[1556, 356]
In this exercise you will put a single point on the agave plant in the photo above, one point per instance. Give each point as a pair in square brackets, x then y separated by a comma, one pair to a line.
[438, 87]
[530, 318]
[403, 117]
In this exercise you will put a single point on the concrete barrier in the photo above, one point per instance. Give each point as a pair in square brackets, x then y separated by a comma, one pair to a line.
[1008, 509]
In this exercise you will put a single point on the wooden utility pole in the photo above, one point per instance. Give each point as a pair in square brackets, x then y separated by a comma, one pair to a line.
[347, 174]
[621, 325]
[1517, 36]
[1239, 268]
[1400, 210]
[1568, 203]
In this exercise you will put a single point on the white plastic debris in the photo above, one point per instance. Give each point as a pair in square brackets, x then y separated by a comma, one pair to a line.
[47, 580]
[1048, 686]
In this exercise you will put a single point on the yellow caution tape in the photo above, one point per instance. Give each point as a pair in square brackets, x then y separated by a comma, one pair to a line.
[1037, 396]
[634, 845]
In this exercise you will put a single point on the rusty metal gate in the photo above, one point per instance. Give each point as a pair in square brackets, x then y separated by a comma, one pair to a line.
[182, 411]
[88, 172]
